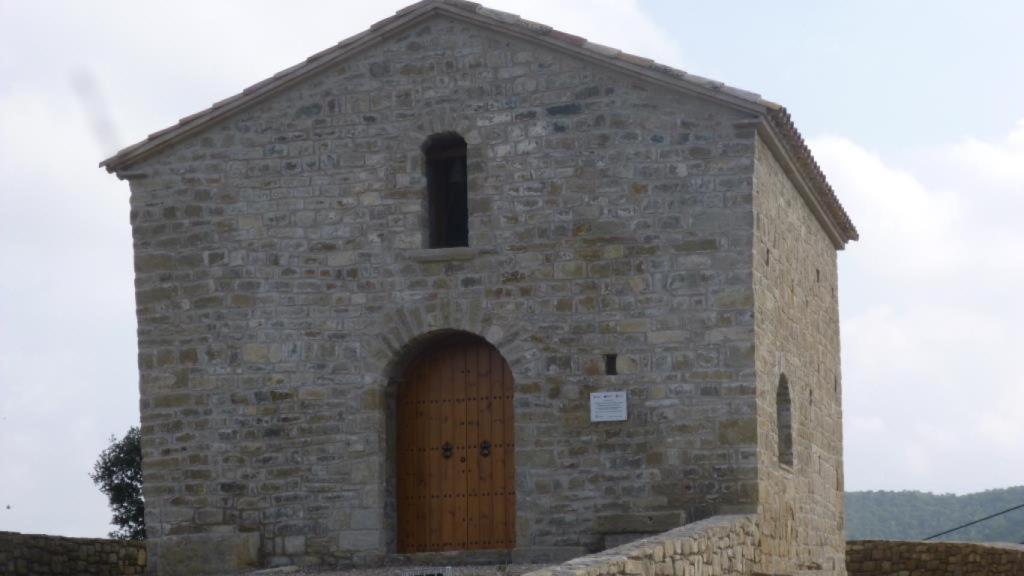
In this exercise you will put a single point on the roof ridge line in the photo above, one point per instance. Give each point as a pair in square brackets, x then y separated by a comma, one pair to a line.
[408, 13]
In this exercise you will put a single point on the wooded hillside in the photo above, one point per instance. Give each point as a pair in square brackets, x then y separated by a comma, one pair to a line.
[911, 515]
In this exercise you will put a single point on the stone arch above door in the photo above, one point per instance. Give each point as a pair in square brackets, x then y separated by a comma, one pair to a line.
[405, 330]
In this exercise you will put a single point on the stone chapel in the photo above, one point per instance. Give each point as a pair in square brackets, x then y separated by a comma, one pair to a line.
[466, 286]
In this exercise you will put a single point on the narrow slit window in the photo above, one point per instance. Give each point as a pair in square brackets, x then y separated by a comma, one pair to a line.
[611, 364]
[784, 419]
[447, 190]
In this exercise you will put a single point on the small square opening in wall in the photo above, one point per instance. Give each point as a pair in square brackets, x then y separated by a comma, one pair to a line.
[611, 364]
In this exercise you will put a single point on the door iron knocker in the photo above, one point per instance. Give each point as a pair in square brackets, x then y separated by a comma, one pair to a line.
[485, 449]
[446, 450]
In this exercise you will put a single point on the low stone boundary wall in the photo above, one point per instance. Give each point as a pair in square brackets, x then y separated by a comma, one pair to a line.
[31, 554]
[718, 546]
[897, 558]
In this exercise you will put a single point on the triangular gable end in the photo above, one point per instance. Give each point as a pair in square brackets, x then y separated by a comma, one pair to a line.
[776, 126]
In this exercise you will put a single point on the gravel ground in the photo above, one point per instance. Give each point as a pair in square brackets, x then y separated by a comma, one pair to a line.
[482, 570]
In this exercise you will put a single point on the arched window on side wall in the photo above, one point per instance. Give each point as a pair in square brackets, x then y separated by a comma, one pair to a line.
[784, 419]
[447, 194]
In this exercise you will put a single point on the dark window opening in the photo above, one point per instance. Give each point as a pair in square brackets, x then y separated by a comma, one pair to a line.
[611, 364]
[447, 193]
[784, 419]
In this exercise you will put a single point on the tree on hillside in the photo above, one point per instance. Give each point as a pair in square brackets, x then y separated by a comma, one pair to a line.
[118, 474]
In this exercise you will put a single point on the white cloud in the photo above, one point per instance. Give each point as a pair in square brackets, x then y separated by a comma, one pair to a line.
[603, 22]
[891, 207]
[931, 315]
[1000, 163]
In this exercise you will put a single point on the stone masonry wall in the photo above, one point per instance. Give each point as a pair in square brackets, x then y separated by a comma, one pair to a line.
[32, 554]
[280, 275]
[718, 546]
[797, 334]
[892, 558]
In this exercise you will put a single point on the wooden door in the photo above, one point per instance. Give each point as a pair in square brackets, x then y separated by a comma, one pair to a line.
[455, 464]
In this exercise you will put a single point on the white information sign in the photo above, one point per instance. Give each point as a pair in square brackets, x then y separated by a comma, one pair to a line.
[607, 406]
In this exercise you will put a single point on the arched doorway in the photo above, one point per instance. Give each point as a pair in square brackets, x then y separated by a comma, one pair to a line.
[455, 448]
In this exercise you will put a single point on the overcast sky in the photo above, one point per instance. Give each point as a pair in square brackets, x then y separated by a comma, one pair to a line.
[916, 116]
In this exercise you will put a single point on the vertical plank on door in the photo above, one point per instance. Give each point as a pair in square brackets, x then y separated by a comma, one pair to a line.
[498, 454]
[436, 492]
[486, 464]
[462, 454]
[448, 529]
[421, 442]
[472, 448]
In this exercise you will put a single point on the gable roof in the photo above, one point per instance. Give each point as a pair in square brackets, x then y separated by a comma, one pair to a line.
[776, 127]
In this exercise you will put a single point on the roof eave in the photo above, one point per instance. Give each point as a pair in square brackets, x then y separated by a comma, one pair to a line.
[775, 128]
